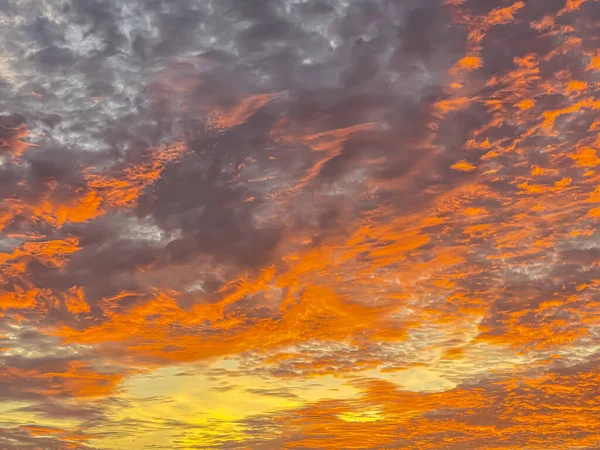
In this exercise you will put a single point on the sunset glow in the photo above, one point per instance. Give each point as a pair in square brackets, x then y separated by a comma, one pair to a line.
[300, 224]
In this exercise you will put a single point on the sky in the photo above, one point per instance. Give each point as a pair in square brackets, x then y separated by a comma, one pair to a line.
[300, 224]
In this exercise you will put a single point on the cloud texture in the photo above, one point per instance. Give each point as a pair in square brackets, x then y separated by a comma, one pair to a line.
[305, 224]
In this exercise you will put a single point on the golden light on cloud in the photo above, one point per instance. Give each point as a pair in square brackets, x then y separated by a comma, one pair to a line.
[356, 225]
[463, 166]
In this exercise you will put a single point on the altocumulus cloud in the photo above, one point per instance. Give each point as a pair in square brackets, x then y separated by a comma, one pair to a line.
[367, 224]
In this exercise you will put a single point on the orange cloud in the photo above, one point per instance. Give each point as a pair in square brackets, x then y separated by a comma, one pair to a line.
[75, 301]
[16, 145]
[463, 166]
[451, 311]
[585, 157]
[222, 119]
[102, 193]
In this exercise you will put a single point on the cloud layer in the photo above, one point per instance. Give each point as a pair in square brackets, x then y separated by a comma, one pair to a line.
[299, 224]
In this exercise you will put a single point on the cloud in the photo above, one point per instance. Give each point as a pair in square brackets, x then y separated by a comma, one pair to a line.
[375, 221]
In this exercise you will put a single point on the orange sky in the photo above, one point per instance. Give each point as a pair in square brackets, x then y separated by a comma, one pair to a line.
[300, 225]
